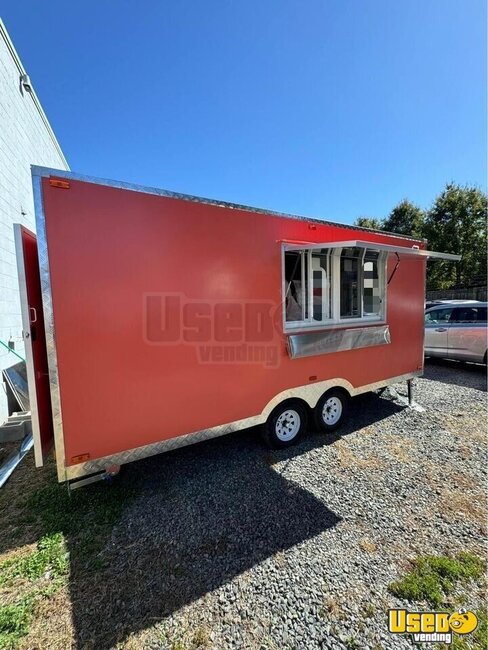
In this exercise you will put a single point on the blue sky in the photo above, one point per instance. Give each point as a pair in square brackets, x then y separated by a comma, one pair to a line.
[329, 108]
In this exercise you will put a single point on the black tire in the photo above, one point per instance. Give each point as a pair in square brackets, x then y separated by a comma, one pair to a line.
[285, 425]
[331, 410]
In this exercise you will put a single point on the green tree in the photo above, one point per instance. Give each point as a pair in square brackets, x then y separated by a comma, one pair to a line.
[368, 222]
[405, 219]
[456, 223]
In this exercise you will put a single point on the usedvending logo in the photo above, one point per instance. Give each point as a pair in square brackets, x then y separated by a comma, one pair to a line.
[226, 331]
[427, 627]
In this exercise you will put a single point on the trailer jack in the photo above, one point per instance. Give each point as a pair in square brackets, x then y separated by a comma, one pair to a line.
[410, 392]
[401, 399]
[410, 402]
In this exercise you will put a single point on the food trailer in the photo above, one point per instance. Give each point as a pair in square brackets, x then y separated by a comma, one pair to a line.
[153, 320]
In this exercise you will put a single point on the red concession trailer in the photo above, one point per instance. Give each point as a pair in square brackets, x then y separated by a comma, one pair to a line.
[153, 320]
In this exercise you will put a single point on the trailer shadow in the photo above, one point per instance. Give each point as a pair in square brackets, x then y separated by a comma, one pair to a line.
[174, 527]
[203, 515]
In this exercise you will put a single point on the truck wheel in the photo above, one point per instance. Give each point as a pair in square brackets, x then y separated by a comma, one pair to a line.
[286, 423]
[331, 410]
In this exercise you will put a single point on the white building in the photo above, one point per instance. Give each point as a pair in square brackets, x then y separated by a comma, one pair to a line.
[26, 139]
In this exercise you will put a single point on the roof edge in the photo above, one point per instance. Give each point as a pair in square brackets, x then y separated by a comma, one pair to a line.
[48, 171]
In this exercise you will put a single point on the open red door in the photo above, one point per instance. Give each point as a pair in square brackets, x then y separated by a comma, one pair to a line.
[35, 342]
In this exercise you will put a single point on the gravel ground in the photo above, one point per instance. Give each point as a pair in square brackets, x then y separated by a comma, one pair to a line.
[228, 545]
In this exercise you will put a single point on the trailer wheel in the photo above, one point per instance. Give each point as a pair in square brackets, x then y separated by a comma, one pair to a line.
[285, 424]
[331, 410]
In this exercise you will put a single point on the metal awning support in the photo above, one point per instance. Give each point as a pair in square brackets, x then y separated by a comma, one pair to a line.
[397, 264]
[414, 252]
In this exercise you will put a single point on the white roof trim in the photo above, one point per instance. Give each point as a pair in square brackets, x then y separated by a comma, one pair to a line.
[415, 251]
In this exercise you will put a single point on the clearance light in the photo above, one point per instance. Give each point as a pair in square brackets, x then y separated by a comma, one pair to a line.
[57, 182]
[81, 458]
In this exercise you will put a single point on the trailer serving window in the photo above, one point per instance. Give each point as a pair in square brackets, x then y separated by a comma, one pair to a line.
[331, 286]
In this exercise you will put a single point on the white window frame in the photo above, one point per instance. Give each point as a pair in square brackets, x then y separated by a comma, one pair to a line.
[331, 291]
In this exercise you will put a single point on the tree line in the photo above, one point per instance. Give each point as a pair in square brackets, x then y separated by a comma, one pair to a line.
[456, 223]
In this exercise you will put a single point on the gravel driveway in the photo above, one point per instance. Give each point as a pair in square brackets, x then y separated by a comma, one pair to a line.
[228, 545]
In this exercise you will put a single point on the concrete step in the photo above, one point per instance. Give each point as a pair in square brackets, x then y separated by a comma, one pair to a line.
[16, 427]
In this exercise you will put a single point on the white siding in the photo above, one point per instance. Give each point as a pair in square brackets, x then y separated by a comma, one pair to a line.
[25, 139]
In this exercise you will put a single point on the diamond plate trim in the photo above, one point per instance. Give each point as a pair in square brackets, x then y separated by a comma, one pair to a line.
[100, 464]
[47, 305]
[310, 393]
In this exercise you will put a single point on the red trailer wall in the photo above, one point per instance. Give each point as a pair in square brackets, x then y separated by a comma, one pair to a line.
[109, 247]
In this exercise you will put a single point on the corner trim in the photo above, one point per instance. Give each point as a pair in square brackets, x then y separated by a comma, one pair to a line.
[47, 305]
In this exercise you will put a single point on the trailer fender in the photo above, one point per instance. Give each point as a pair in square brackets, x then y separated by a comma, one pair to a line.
[309, 394]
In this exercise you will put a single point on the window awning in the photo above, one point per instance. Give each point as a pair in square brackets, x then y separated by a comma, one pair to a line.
[413, 252]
